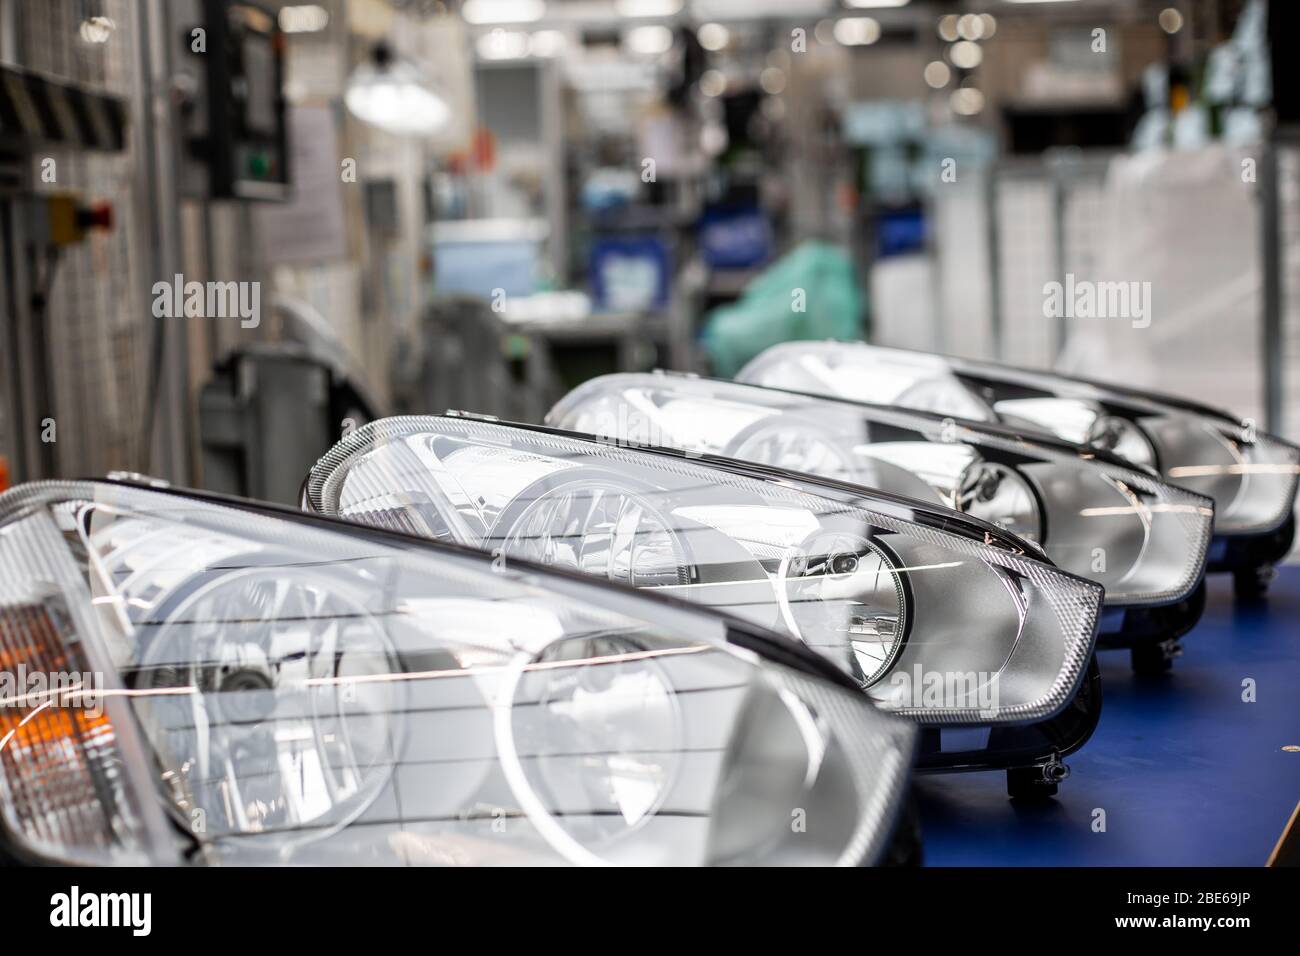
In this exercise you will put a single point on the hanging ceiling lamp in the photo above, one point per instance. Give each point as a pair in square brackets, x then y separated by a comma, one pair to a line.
[394, 95]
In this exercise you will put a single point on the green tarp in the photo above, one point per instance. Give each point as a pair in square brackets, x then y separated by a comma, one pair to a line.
[810, 293]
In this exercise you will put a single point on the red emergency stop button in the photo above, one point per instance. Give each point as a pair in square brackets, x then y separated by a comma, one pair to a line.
[98, 215]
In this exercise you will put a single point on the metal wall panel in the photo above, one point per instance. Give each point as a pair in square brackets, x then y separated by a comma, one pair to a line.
[1289, 200]
[98, 315]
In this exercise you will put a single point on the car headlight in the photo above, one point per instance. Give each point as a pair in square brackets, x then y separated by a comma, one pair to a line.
[1143, 540]
[885, 587]
[196, 681]
[1252, 477]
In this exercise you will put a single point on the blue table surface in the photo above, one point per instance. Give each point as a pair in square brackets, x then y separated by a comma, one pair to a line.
[1188, 774]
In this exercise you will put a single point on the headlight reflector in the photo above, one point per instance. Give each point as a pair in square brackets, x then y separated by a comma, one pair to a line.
[1123, 438]
[998, 495]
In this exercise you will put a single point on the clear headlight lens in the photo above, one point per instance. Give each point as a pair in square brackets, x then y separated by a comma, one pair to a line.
[198, 683]
[1121, 437]
[884, 591]
[588, 526]
[903, 379]
[999, 496]
[1252, 478]
[1145, 541]
[817, 578]
[790, 445]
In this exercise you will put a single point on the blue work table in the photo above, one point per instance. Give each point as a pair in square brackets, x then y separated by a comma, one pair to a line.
[1187, 773]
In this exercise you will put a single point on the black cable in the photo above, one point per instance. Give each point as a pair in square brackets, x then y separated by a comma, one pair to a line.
[39, 302]
[152, 393]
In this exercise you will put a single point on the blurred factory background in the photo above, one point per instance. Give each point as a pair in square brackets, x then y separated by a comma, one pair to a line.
[230, 232]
